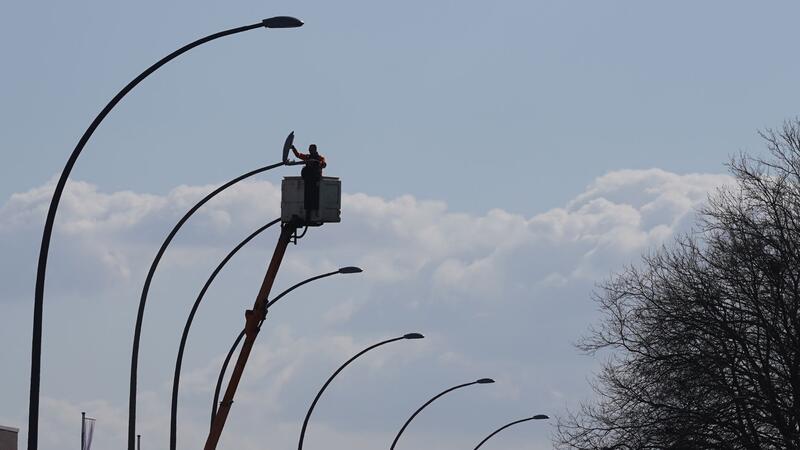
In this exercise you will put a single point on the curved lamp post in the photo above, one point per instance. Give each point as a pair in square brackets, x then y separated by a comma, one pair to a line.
[344, 270]
[38, 307]
[324, 386]
[222, 375]
[185, 335]
[536, 417]
[137, 332]
[480, 381]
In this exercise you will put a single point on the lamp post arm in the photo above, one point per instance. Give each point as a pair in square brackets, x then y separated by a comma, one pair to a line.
[173, 430]
[325, 386]
[501, 429]
[423, 407]
[309, 280]
[36, 340]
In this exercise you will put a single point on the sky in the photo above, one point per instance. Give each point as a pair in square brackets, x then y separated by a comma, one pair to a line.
[498, 160]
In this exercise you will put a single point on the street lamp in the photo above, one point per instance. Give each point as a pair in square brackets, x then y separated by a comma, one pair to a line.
[344, 270]
[536, 417]
[324, 386]
[185, 335]
[38, 307]
[151, 272]
[282, 22]
[479, 381]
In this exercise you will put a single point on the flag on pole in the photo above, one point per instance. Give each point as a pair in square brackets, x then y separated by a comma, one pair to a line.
[87, 429]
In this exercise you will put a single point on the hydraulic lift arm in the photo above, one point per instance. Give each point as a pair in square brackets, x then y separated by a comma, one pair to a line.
[253, 319]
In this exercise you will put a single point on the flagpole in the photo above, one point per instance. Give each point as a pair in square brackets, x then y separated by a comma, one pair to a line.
[138, 442]
[83, 430]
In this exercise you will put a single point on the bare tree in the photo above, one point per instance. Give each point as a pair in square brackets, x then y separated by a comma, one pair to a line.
[705, 333]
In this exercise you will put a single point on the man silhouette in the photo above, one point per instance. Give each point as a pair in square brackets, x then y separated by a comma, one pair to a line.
[312, 174]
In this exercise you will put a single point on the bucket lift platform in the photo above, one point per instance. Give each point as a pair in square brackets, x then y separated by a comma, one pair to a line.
[293, 205]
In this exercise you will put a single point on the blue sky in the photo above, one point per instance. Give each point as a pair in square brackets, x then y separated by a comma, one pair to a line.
[499, 158]
[541, 95]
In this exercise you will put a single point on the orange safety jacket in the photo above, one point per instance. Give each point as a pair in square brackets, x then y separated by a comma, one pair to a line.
[306, 157]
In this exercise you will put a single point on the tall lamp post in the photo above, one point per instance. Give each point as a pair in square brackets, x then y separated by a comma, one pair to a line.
[137, 331]
[36, 341]
[479, 381]
[325, 386]
[536, 417]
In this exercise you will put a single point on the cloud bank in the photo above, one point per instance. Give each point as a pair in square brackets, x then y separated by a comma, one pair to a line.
[498, 294]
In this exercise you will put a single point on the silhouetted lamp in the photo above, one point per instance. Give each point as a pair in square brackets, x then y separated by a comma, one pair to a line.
[325, 386]
[405, 425]
[536, 417]
[282, 22]
[55, 199]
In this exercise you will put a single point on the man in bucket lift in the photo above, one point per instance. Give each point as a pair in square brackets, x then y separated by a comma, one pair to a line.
[312, 175]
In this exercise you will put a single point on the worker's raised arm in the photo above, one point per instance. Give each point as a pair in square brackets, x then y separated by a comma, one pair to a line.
[298, 154]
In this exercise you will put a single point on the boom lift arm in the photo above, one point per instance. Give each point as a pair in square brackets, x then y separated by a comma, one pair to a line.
[253, 319]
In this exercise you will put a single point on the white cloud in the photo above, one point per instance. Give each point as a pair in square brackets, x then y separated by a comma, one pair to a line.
[497, 294]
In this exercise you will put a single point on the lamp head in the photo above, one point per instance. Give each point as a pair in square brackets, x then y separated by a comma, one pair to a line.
[350, 269]
[282, 22]
[485, 381]
[413, 336]
[540, 417]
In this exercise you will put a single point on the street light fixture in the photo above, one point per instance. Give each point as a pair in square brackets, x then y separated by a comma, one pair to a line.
[324, 386]
[38, 307]
[536, 417]
[479, 381]
[282, 22]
